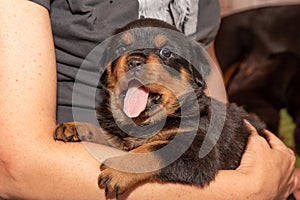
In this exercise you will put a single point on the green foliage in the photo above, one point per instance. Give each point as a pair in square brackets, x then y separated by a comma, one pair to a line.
[286, 130]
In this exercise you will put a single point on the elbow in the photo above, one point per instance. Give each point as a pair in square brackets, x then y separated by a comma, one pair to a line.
[8, 181]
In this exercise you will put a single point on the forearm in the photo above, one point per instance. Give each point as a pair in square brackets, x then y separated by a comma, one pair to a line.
[228, 185]
[32, 164]
[51, 174]
[27, 76]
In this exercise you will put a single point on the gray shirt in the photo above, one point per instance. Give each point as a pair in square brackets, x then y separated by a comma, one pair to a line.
[78, 26]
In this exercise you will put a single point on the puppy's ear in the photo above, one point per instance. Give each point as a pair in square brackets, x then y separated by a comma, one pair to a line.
[199, 59]
[198, 78]
[200, 63]
[105, 79]
[105, 64]
[103, 82]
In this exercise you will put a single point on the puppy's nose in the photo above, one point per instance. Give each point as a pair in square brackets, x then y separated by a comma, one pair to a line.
[135, 63]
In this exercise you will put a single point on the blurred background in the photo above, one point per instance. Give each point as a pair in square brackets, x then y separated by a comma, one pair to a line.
[258, 51]
[234, 6]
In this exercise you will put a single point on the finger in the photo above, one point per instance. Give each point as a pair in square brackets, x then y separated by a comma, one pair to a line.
[293, 179]
[255, 146]
[255, 140]
[297, 173]
[293, 156]
[294, 184]
[291, 186]
[251, 128]
[292, 153]
[273, 140]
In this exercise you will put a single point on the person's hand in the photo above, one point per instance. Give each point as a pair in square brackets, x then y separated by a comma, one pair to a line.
[270, 166]
[297, 192]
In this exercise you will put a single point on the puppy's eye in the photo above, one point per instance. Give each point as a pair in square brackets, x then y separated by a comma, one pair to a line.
[122, 49]
[165, 52]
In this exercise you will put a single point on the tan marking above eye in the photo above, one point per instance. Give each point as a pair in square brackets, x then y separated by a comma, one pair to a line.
[153, 59]
[127, 38]
[160, 40]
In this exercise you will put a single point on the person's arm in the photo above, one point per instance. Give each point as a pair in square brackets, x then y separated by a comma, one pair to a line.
[32, 164]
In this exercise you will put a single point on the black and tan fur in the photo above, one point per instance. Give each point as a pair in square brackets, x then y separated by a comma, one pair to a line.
[189, 168]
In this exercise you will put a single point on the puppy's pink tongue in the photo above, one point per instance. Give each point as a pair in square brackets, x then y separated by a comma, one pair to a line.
[135, 100]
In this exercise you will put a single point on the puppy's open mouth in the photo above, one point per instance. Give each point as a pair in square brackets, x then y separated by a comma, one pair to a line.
[136, 99]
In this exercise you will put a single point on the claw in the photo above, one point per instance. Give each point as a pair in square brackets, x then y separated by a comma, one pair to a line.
[103, 181]
[116, 189]
[102, 167]
[106, 191]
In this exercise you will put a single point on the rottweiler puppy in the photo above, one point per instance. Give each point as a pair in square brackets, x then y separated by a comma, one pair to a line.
[155, 108]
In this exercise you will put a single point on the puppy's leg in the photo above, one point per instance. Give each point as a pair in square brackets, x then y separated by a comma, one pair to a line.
[119, 174]
[78, 131]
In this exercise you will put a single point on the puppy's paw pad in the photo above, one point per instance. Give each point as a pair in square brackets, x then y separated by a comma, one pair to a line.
[66, 132]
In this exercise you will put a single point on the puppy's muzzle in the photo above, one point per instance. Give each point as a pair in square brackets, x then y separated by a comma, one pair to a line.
[136, 60]
[135, 63]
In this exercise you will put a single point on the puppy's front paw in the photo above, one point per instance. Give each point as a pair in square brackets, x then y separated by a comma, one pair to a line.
[66, 132]
[114, 181]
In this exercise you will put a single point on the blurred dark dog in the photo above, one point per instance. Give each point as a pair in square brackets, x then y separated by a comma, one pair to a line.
[259, 53]
[154, 101]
